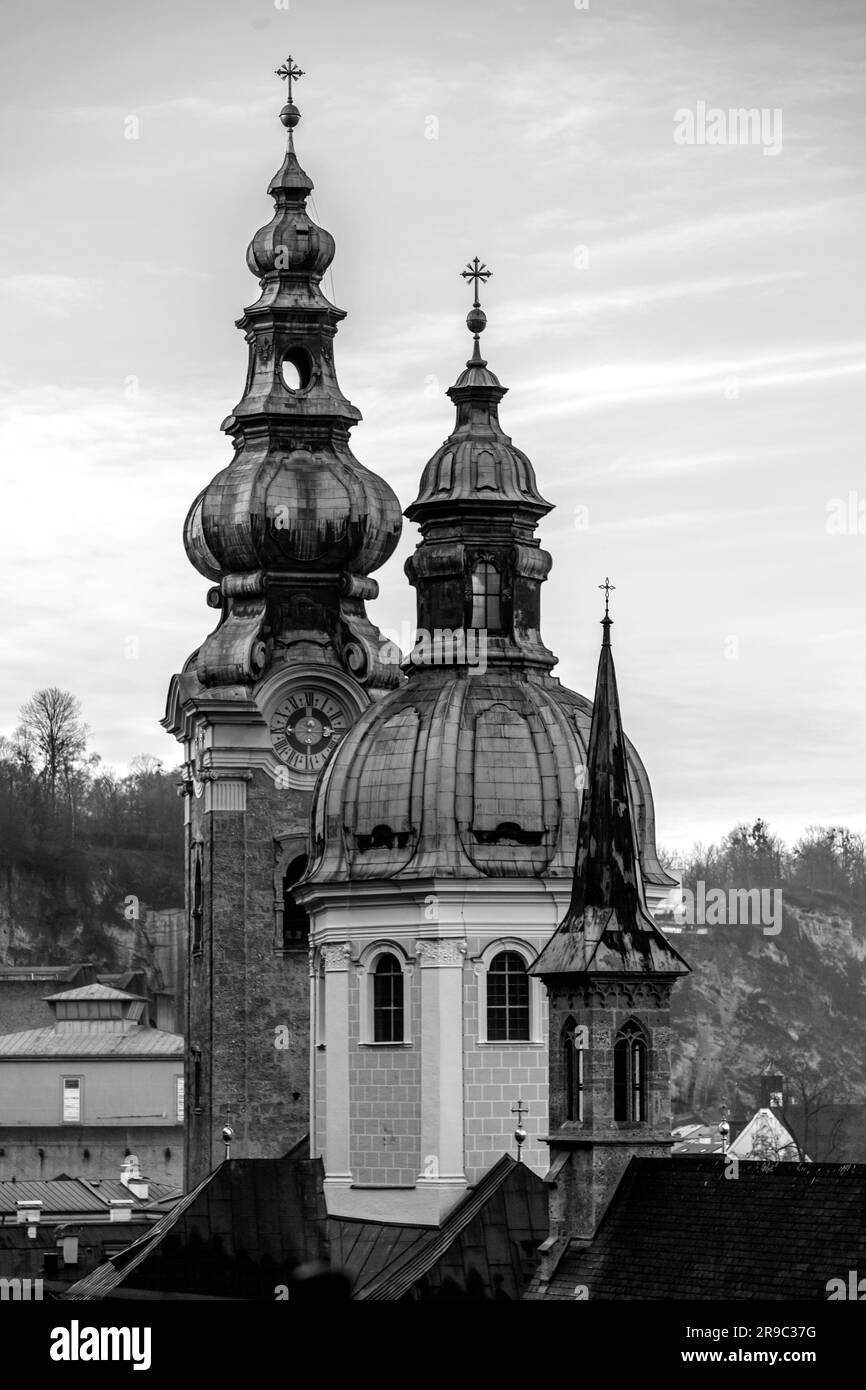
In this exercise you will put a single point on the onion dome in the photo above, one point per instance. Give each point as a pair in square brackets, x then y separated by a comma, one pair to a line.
[474, 766]
[294, 503]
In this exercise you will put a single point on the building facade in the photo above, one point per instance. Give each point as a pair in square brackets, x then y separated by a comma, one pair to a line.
[89, 1090]
[414, 827]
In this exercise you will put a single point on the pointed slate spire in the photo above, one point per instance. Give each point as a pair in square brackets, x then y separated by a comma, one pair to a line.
[608, 928]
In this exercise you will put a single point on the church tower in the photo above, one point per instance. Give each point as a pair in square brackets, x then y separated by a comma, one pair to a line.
[288, 534]
[444, 832]
[609, 973]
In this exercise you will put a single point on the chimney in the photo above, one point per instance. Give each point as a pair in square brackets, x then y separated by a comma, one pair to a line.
[130, 1176]
[29, 1213]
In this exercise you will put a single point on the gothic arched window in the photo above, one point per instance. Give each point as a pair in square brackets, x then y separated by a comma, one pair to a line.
[507, 999]
[296, 922]
[629, 1073]
[486, 597]
[197, 913]
[573, 1070]
[388, 999]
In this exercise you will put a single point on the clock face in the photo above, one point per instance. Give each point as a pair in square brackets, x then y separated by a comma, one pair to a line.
[306, 728]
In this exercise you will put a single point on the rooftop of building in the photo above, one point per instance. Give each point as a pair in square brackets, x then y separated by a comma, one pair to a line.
[683, 1228]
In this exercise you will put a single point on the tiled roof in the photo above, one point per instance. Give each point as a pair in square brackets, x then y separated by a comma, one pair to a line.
[45, 1042]
[679, 1228]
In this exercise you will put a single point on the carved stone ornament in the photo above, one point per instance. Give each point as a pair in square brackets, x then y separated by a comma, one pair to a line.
[441, 952]
[337, 955]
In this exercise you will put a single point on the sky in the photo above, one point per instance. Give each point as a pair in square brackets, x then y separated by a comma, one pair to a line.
[677, 307]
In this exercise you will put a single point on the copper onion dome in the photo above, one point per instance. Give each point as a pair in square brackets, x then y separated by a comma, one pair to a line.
[294, 496]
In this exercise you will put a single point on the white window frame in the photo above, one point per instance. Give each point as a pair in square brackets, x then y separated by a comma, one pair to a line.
[179, 1098]
[536, 993]
[79, 1086]
[366, 972]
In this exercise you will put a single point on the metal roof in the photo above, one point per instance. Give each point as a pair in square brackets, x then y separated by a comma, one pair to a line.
[92, 992]
[61, 1195]
[46, 1042]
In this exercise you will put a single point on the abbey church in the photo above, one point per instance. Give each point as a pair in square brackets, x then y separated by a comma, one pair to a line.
[420, 889]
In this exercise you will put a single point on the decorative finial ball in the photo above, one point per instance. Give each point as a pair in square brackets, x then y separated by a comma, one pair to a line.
[520, 1136]
[228, 1134]
[724, 1129]
[290, 115]
[476, 320]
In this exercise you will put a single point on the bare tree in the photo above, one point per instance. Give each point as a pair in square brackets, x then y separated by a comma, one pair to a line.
[811, 1095]
[51, 723]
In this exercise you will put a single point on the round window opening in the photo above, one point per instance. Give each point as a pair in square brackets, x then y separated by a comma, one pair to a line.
[297, 369]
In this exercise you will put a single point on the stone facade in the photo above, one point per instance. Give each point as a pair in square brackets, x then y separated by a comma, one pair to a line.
[244, 988]
[600, 1146]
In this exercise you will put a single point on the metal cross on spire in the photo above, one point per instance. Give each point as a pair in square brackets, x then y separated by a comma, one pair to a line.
[289, 71]
[520, 1133]
[608, 588]
[476, 270]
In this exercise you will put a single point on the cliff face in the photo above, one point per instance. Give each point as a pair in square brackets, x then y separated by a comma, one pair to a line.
[68, 907]
[798, 996]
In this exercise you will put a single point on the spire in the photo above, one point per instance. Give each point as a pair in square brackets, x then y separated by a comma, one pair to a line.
[479, 566]
[608, 927]
[294, 504]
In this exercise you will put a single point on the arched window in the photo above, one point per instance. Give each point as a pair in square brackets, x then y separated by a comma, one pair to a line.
[629, 1073]
[573, 1057]
[486, 596]
[197, 913]
[296, 922]
[388, 999]
[507, 999]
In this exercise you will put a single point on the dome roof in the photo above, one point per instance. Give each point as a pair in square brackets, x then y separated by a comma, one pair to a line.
[298, 509]
[464, 776]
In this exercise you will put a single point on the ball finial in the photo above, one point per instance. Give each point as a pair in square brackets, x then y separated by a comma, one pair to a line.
[289, 72]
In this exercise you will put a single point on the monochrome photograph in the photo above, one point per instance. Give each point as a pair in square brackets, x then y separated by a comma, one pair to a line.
[432, 753]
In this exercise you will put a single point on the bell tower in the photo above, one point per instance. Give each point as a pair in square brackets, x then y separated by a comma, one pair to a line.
[288, 534]
[609, 974]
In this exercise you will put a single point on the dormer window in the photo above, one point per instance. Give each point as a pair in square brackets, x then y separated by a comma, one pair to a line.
[486, 597]
[629, 1073]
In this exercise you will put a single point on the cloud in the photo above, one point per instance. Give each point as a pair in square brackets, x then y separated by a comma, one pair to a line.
[47, 293]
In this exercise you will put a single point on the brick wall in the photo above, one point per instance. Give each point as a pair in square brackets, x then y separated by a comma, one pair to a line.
[494, 1078]
[385, 1099]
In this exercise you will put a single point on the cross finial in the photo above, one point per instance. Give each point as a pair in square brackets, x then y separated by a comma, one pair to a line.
[228, 1132]
[476, 270]
[520, 1133]
[608, 589]
[290, 72]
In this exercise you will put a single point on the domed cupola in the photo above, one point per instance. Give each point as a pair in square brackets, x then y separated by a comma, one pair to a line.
[294, 510]
[474, 768]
